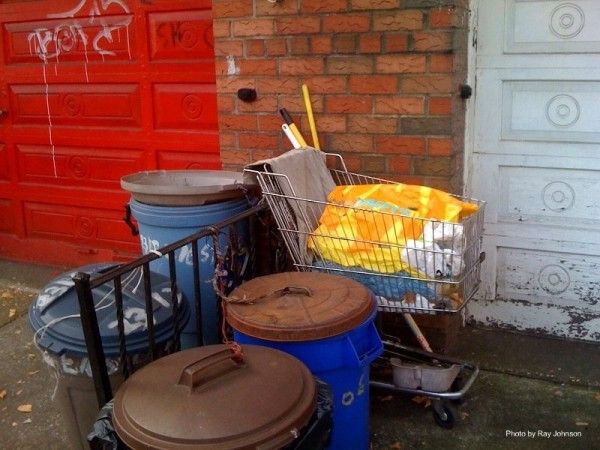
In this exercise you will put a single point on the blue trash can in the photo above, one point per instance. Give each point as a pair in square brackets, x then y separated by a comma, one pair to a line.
[171, 205]
[327, 322]
[54, 318]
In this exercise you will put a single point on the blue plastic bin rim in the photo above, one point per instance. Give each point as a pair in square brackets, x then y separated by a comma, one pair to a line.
[54, 314]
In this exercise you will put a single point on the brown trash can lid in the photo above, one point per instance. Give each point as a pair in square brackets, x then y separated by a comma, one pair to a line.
[203, 399]
[299, 306]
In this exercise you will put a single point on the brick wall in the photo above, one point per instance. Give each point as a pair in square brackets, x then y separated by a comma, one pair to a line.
[383, 76]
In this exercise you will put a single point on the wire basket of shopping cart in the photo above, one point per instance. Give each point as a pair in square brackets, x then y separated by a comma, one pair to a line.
[417, 248]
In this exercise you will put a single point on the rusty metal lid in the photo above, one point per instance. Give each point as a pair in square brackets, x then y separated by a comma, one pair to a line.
[299, 306]
[206, 398]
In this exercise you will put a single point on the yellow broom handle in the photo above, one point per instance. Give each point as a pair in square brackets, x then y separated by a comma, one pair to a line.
[311, 118]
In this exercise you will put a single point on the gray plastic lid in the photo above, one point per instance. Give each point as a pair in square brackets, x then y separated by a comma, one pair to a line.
[183, 187]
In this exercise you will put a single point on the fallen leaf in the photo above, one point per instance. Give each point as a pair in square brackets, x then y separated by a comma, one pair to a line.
[26, 408]
[2, 394]
[396, 445]
[6, 295]
[581, 424]
[387, 398]
[464, 415]
[19, 392]
[558, 393]
[33, 372]
[27, 420]
[14, 424]
[598, 396]
[421, 400]
[31, 355]
[12, 312]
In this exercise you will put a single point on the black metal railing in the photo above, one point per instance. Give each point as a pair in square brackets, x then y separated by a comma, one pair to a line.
[267, 256]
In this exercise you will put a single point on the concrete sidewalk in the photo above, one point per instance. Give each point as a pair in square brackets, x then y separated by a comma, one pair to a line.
[528, 384]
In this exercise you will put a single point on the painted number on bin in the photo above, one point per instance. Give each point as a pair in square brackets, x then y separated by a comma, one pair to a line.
[184, 254]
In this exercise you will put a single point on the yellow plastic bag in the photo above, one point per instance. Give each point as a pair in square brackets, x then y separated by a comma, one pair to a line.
[368, 225]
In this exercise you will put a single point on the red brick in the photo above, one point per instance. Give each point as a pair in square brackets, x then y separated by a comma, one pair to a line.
[373, 164]
[257, 66]
[440, 147]
[264, 8]
[432, 42]
[347, 142]
[396, 43]
[299, 45]
[346, 23]
[253, 27]
[349, 104]
[349, 64]
[301, 66]
[440, 63]
[400, 20]
[232, 8]
[298, 25]
[226, 102]
[258, 140]
[255, 47]
[295, 103]
[228, 139]
[344, 43]
[374, 4]
[269, 122]
[235, 157]
[401, 145]
[437, 84]
[238, 121]
[373, 84]
[400, 164]
[400, 64]
[320, 6]
[232, 84]
[276, 47]
[326, 123]
[264, 103]
[321, 44]
[442, 18]
[399, 105]
[358, 123]
[262, 153]
[334, 84]
[224, 48]
[369, 43]
[352, 162]
[277, 85]
[221, 28]
[440, 106]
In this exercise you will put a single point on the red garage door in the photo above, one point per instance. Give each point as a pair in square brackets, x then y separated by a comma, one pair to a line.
[91, 90]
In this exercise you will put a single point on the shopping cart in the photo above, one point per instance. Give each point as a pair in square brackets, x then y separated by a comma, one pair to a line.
[440, 268]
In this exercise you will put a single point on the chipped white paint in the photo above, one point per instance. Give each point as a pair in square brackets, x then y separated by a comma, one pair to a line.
[232, 68]
[536, 160]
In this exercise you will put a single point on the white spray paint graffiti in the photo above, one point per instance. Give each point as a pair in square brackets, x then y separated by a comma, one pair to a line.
[184, 255]
[49, 43]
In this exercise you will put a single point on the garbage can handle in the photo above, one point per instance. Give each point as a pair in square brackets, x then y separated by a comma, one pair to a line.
[127, 219]
[209, 368]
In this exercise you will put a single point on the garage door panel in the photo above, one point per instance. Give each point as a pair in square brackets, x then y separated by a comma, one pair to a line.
[82, 39]
[77, 166]
[185, 107]
[549, 278]
[181, 35]
[4, 170]
[76, 224]
[76, 105]
[7, 219]
[548, 26]
[550, 111]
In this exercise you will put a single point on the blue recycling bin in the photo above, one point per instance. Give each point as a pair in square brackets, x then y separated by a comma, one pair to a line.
[172, 204]
[58, 333]
[327, 322]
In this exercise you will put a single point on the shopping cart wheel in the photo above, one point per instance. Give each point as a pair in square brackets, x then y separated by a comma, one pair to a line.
[444, 414]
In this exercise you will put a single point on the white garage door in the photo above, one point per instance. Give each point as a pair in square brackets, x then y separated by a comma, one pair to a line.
[536, 160]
